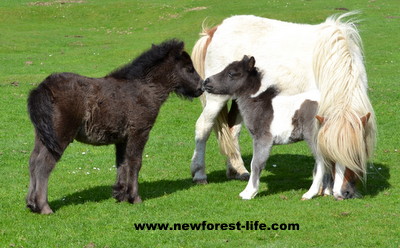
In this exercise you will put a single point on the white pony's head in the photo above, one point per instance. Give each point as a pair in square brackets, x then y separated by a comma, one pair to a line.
[346, 128]
[351, 148]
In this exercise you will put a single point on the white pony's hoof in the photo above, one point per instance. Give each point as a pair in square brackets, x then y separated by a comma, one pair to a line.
[307, 196]
[232, 174]
[327, 191]
[247, 195]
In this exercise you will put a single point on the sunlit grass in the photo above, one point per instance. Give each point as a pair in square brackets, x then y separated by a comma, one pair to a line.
[94, 37]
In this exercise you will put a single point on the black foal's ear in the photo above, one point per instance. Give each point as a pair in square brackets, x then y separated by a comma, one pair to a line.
[185, 55]
[250, 63]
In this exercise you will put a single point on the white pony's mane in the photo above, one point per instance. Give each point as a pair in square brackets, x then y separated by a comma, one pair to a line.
[341, 77]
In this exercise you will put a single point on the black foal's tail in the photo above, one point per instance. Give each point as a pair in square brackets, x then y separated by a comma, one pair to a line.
[40, 108]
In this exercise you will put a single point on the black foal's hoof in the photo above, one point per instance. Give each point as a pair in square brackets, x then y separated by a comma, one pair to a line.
[119, 193]
[120, 196]
[35, 209]
[32, 207]
[135, 199]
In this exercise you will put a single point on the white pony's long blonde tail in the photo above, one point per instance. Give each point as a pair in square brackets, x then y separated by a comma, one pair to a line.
[221, 126]
[341, 78]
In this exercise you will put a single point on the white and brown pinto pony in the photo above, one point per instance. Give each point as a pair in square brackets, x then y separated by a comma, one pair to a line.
[294, 58]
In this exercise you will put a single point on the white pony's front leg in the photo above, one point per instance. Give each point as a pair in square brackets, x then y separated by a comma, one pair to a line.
[204, 124]
[339, 178]
[261, 149]
[317, 183]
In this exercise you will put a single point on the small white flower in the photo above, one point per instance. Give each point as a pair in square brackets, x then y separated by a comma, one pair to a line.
[274, 165]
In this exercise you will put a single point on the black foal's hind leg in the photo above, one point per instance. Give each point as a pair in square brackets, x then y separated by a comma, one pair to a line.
[41, 163]
[31, 197]
[121, 186]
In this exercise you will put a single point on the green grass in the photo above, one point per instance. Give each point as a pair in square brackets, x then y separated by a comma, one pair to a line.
[94, 37]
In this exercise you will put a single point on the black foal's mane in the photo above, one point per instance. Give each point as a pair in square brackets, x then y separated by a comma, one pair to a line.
[139, 67]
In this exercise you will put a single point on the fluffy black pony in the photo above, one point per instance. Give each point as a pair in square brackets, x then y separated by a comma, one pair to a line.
[119, 109]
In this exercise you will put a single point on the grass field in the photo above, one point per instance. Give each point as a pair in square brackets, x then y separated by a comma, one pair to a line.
[92, 37]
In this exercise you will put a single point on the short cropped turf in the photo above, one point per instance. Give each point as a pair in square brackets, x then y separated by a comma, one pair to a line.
[93, 37]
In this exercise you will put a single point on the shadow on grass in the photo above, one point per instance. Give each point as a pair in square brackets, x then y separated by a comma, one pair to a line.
[94, 194]
[147, 190]
[287, 172]
[294, 172]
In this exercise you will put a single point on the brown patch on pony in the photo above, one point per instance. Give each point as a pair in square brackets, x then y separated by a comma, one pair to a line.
[210, 34]
[302, 120]
[349, 183]
[320, 119]
[349, 176]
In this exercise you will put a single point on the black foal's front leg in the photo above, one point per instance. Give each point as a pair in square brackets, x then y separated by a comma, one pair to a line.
[133, 184]
[129, 162]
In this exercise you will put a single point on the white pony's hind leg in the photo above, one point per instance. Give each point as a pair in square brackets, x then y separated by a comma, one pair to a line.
[261, 149]
[235, 165]
[204, 124]
[317, 183]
